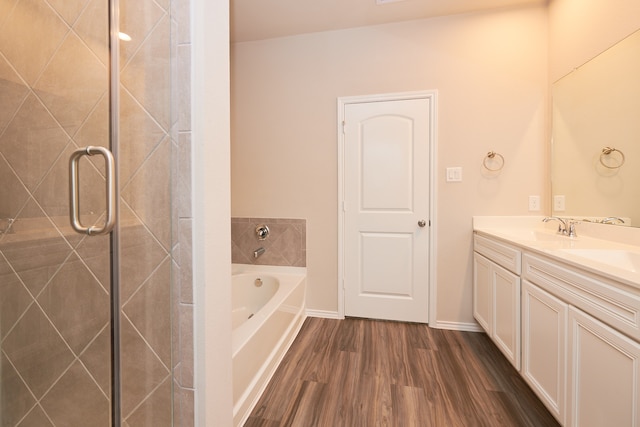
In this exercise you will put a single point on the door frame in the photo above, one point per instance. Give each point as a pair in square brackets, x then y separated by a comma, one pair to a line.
[432, 96]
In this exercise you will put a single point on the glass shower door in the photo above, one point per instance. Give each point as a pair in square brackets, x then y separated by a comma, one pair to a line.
[54, 283]
[56, 312]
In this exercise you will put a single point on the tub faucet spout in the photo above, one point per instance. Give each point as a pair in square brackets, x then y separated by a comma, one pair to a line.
[258, 252]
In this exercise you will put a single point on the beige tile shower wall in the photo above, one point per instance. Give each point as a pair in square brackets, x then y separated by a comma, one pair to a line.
[285, 246]
[48, 109]
[54, 303]
[182, 217]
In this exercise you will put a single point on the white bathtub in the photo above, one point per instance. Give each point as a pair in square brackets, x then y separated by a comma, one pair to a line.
[266, 320]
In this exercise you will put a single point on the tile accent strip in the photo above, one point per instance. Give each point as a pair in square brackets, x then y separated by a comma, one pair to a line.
[285, 246]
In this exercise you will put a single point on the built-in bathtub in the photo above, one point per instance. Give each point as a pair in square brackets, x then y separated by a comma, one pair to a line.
[268, 310]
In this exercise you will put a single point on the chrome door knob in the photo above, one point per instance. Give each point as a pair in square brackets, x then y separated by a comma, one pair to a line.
[422, 223]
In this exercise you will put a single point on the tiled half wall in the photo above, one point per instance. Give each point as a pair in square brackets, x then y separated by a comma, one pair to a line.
[285, 246]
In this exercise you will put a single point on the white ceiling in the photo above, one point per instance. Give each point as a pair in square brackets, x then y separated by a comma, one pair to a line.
[263, 19]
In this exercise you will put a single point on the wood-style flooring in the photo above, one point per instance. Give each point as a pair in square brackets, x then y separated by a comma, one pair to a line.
[362, 373]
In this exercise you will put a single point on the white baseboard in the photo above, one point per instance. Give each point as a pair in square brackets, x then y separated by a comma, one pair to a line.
[457, 326]
[454, 326]
[324, 314]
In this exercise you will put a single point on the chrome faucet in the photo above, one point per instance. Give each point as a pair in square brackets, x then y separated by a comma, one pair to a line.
[562, 227]
[566, 226]
[258, 252]
[612, 220]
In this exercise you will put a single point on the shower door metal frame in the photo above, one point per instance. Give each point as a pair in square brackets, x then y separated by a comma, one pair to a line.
[114, 132]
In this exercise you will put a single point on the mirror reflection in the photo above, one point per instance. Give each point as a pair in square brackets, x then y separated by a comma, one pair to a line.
[596, 138]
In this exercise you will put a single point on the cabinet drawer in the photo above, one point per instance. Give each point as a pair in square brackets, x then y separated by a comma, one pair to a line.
[604, 299]
[502, 254]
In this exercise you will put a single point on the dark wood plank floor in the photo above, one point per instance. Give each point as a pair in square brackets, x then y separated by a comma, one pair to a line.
[362, 373]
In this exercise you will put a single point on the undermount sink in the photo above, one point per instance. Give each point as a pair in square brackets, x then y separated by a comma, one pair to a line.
[622, 259]
[532, 235]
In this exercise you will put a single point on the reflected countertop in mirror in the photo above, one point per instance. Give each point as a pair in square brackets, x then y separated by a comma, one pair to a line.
[595, 169]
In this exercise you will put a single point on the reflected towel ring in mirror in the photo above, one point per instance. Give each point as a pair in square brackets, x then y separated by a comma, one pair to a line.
[606, 151]
[493, 157]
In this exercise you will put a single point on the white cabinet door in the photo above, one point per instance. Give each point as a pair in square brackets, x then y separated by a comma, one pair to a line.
[482, 292]
[506, 313]
[604, 374]
[544, 330]
[496, 305]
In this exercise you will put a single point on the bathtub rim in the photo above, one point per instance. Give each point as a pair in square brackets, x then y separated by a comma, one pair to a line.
[250, 268]
[249, 398]
[290, 278]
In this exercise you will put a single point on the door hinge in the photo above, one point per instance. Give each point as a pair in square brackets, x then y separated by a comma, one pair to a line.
[344, 124]
[344, 206]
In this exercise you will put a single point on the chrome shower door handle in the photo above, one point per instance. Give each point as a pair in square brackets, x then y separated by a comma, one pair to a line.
[74, 191]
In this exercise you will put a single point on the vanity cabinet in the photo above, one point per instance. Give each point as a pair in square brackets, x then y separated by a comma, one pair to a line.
[573, 332]
[544, 331]
[496, 294]
[575, 356]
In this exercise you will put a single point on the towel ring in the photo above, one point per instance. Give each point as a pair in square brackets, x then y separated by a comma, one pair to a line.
[607, 151]
[490, 156]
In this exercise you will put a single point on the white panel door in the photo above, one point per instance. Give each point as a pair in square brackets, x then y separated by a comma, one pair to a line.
[386, 203]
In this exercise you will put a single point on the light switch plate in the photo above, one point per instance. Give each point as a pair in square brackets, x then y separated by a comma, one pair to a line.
[454, 174]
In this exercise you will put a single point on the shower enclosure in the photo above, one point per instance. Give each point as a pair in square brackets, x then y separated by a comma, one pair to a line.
[85, 315]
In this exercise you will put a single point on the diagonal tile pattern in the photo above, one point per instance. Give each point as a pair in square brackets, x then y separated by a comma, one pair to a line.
[15, 298]
[286, 244]
[74, 286]
[92, 26]
[37, 351]
[72, 83]
[152, 60]
[16, 400]
[69, 10]
[77, 390]
[31, 140]
[13, 93]
[55, 284]
[31, 26]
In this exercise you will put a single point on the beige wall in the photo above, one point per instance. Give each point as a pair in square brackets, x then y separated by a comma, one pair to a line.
[490, 71]
[581, 29]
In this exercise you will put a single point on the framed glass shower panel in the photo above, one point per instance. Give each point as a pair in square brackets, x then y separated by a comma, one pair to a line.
[55, 283]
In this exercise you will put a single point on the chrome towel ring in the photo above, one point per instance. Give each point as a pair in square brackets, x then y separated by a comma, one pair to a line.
[607, 151]
[493, 157]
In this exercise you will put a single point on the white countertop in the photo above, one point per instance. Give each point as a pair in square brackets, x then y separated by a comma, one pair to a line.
[617, 258]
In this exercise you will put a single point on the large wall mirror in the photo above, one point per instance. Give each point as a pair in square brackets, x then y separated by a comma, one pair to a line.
[595, 173]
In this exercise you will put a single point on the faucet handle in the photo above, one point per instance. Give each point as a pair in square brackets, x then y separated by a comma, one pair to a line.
[262, 232]
[571, 227]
